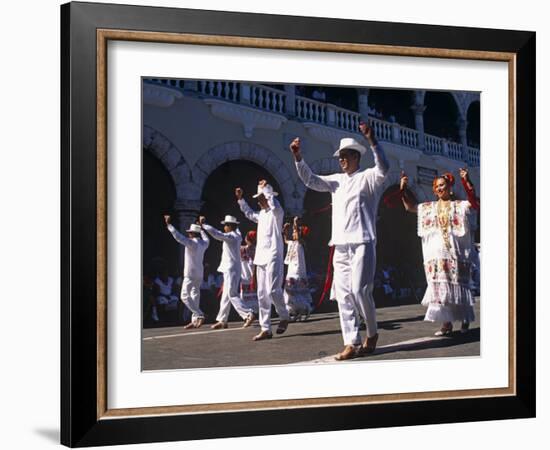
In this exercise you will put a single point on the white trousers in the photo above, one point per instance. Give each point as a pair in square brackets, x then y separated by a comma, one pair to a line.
[191, 297]
[354, 267]
[230, 296]
[270, 292]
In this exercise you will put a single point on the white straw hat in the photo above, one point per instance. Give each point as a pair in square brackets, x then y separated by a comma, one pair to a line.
[351, 144]
[230, 219]
[194, 228]
[267, 190]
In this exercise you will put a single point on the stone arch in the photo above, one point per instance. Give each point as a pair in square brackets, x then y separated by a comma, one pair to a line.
[393, 178]
[443, 116]
[248, 151]
[170, 156]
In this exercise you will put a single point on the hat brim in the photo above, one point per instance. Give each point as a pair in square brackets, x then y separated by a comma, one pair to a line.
[226, 222]
[357, 147]
[272, 194]
[192, 231]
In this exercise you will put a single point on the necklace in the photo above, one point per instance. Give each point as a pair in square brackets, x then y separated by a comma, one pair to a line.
[443, 209]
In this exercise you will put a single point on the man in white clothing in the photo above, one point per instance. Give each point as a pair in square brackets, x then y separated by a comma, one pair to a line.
[195, 245]
[268, 258]
[355, 196]
[230, 266]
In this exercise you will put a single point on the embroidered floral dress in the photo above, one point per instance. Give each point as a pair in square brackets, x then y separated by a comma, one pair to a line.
[446, 245]
[297, 295]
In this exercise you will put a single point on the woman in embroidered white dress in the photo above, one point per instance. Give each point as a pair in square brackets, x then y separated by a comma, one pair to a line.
[297, 295]
[444, 228]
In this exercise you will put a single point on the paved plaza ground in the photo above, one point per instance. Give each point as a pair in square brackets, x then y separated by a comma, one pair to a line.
[403, 335]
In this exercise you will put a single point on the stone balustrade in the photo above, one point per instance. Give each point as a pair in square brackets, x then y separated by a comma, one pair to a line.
[311, 110]
[308, 110]
[268, 99]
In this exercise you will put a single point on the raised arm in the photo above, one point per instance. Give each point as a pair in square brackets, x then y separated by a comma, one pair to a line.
[311, 180]
[205, 237]
[380, 161]
[406, 197]
[183, 240]
[215, 233]
[469, 188]
[249, 213]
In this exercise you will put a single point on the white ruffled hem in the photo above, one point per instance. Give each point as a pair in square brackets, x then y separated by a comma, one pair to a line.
[448, 303]
[450, 313]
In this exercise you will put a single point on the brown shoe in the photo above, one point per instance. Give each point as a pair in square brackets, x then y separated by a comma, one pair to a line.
[199, 323]
[283, 325]
[263, 335]
[369, 345]
[219, 325]
[349, 352]
[189, 325]
[249, 320]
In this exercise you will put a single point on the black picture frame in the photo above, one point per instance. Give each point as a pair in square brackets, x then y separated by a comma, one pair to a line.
[81, 422]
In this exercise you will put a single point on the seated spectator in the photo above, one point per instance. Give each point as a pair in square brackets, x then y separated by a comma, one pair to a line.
[165, 294]
[319, 94]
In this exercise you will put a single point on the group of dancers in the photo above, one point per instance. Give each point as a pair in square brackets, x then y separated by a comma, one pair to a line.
[442, 225]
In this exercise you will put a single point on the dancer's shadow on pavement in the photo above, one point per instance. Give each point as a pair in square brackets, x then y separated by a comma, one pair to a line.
[395, 324]
[456, 338]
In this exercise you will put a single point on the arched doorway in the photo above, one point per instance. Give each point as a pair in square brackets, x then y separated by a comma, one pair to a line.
[218, 200]
[317, 216]
[158, 199]
[398, 252]
[472, 131]
[441, 115]
[394, 103]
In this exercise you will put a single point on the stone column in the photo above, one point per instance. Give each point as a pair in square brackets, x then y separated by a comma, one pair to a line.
[363, 102]
[418, 110]
[463, 137]
[246, 94]
[191, 85]
[290, 105]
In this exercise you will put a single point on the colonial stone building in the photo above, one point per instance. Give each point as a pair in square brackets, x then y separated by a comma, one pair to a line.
[195, 127]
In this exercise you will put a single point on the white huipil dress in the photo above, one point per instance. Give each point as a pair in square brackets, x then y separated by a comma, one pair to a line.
[297, 295]
[447, 267]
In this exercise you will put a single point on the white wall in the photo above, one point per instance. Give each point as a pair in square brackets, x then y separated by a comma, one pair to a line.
[29, 184]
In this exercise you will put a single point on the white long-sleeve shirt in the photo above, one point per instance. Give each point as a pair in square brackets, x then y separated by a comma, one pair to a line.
[194, 252]
[231, 248]
[354, 199]
[269, 236]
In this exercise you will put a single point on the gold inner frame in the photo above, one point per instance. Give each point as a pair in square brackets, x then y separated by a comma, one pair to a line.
[103, 36]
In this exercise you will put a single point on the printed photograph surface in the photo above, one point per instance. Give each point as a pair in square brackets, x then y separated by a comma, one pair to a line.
[303, 224]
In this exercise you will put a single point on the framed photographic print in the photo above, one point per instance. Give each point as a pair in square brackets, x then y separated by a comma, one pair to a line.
[277, 224]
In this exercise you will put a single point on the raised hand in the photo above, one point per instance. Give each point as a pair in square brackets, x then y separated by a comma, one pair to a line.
[463, 174]
[202, 220]
[368, 132]
[238, 193]
[295, 149]
[167, 219]
[404, 181]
